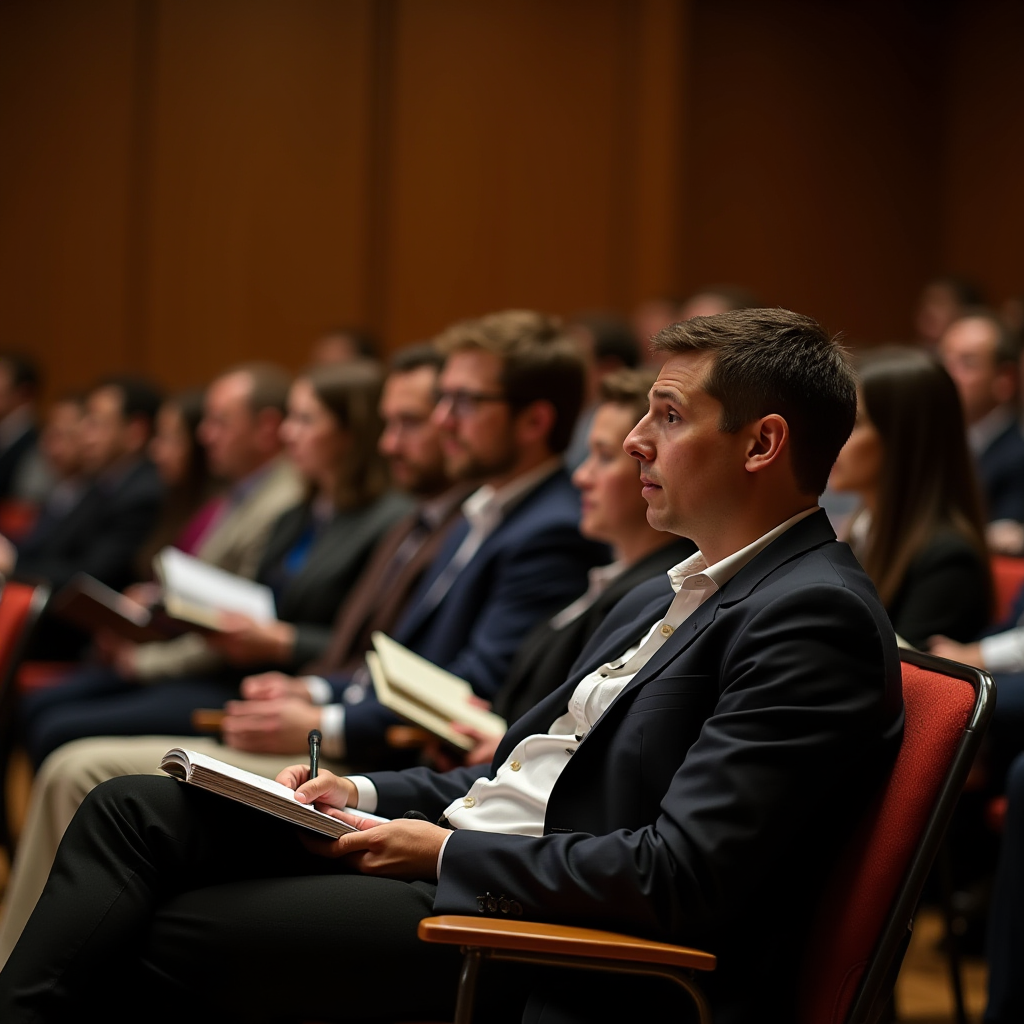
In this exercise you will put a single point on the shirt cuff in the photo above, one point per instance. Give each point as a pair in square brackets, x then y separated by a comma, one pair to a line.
[320, 691]
[366, 793]
[1004, 652]
[440, 853]
[332, 731]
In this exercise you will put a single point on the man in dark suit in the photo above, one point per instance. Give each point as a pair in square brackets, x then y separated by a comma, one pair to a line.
[100, 534]
[22, 474]
[692, 780]
[982, 358]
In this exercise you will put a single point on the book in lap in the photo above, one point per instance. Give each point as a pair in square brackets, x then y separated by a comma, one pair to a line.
[250, 789]
[196, 592]
[427, 695]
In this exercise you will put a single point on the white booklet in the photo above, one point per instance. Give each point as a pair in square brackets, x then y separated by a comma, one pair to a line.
[254, 790]
[197, 592]
[427, 695]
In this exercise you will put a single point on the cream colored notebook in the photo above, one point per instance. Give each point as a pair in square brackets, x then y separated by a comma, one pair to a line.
[427, 695]
[250, 789]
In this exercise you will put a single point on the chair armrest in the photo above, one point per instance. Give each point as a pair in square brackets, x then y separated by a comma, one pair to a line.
[559, 940]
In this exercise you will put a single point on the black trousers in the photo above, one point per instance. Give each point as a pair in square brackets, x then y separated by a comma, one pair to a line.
[167, 900]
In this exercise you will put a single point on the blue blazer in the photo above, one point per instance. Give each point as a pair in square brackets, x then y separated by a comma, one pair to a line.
[705, 804]
[1001, 473]
[531, 566]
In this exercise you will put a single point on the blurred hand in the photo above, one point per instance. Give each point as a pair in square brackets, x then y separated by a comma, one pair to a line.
[243, 641]
[269, 726]
[8, 556]
[966, 654]
[147, 594]
[274, 686]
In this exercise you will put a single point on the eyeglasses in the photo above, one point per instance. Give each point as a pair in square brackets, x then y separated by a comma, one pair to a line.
[465, 403]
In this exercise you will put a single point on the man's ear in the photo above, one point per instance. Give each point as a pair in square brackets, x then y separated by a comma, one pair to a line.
[768, 439]
[535, 422]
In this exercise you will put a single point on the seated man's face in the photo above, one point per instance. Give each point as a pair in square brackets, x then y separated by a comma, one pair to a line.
[106, 434]
[474, 418]
[968, 352]
[691, 471]
[410, 440]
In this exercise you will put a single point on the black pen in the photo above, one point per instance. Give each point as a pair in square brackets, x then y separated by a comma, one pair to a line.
[314, 752]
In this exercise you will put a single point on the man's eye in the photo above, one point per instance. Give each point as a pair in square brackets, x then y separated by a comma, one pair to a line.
[672, 416]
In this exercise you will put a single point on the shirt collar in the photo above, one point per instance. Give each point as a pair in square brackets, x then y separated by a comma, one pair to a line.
[695, 574]
[487, 502]
[434, 511]
[982, 433]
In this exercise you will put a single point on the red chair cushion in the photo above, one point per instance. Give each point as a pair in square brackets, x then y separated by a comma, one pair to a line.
[865, 883]
[1008, 578]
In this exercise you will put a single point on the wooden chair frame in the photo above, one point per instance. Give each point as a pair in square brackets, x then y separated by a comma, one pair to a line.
[588, 949]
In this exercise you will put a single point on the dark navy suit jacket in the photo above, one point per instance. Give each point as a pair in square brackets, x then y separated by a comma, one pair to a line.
[705, 804]
[531, 566]
[1001, 472]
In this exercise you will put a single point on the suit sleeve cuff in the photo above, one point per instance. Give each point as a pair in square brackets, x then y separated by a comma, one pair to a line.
[366, 793]
[332, 729]
[1004, 652]
[320, 691]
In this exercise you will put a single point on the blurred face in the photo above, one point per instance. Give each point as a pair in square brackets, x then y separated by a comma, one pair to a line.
[228, 428]
[106, 435]
[612, 505]
[61, 439]
[311, 435]
[410, 440]
[937, 309]
[171, 447]
[475, 422]
[10, 397]
[968, 351]
[690, 470]
[859, 466]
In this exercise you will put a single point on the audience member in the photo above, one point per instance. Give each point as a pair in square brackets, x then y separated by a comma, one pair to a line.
[101, 533]
[60, 445]
[720, 298]
[315, 553]
[22, 471]
[613, 511]
[714, 770]
[919, 533]
[982, 359]
[343, 345]
[942, 301]
[608, 344]
[652, 316]
[240, 435]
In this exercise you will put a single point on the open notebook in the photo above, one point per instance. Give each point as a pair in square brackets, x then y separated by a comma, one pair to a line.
[427, 695]
[247, 788]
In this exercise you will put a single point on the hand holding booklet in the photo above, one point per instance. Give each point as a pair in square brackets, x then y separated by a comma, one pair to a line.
[427, 695]
[253, 790]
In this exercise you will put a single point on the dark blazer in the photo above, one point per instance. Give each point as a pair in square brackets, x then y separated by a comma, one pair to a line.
[310, 599]
[947, 590]
[705, 805]
[534, 563]
[99, 535]
[1001, 473]
[546, 655]
[10, 460]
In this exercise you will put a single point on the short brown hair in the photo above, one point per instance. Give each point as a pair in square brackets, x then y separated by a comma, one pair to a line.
[629, 388]
[539, 363]
[269, 385]
[774, 361]
[351, 393]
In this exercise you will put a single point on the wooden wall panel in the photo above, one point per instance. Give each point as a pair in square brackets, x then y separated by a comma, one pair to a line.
[812, 157]
[66, 72]
[983, 200]
[509, 150]
[259, 179]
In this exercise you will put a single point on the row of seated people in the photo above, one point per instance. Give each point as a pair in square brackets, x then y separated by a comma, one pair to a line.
[463, 588]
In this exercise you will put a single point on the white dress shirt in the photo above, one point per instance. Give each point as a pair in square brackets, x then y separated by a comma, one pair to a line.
[515, 800]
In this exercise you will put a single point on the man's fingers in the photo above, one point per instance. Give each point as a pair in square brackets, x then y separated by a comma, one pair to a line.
[293, 776]
[357, 820]
[328, 788]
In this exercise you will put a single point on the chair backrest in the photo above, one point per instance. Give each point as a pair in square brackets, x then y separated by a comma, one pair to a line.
[864, 918]
[1007, 578]
[20, 606]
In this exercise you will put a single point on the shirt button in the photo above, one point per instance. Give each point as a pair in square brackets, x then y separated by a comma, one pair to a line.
[515, 766]
[468, 801]
[667, 630]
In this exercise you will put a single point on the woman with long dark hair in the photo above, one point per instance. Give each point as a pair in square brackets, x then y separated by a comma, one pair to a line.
[919, 532]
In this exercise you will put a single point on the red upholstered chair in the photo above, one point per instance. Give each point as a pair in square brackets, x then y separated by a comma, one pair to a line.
[865, 916]
[17, 518]
[21, 604]
[1008, 577]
